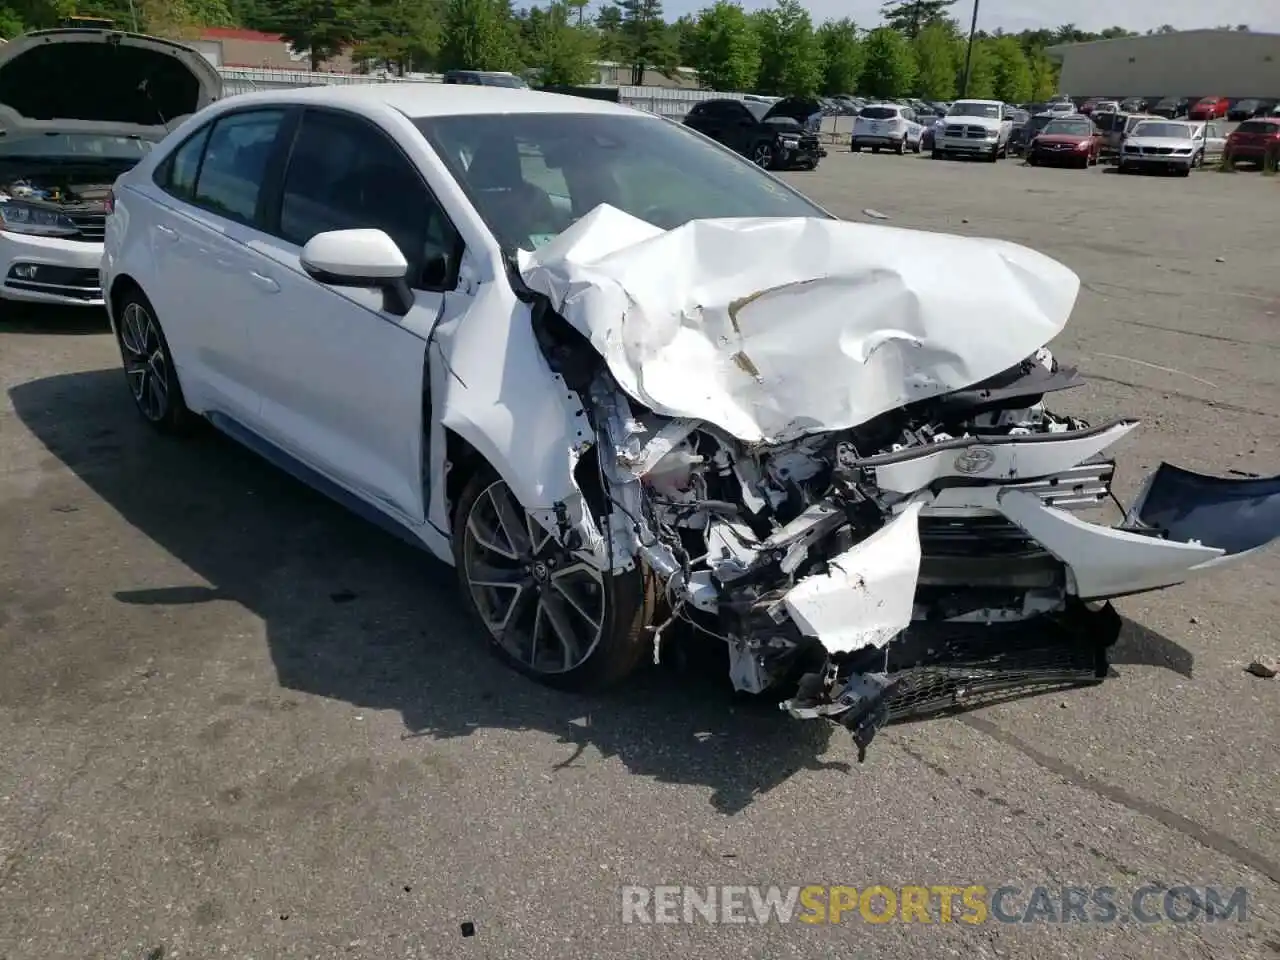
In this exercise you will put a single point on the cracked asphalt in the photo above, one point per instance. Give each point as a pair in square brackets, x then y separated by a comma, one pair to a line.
[236, 721]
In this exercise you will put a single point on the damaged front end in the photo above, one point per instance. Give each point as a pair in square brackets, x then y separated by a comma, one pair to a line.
[913, 560]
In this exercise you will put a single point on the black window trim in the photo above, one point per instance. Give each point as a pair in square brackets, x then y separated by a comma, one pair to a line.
[278, 169]
[164, 168]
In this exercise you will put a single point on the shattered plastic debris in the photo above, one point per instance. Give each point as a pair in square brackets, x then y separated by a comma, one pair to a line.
[1265, 667]
[773, 329]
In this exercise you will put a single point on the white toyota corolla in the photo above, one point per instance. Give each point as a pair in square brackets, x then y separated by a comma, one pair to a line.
[77, 108]
[620, 376]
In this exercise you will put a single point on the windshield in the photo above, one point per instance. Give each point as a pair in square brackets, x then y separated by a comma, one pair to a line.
[879, 113]
[73, 147]
[967, 108]
[758, 110]
[1070, 128]
[530, 176]
[1178, 131]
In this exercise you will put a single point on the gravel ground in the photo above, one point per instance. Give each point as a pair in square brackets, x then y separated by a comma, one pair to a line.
[235, 721]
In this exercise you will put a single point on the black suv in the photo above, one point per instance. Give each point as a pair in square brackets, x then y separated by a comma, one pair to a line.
[773, 135]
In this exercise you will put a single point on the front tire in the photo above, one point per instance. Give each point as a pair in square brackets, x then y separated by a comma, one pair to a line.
[901, 148]
[762, 155]
[550, 614]
[148, 366]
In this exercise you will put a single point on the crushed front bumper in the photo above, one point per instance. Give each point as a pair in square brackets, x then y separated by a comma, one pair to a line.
[886, 658]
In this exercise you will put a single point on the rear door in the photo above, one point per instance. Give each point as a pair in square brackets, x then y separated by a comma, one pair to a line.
[209, 203]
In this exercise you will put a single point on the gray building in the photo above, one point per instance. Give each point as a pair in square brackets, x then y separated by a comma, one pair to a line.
[1191, 63]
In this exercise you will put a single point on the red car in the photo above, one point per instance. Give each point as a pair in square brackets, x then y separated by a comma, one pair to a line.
[1253, 139]
[1209, 108]
[1069, 142]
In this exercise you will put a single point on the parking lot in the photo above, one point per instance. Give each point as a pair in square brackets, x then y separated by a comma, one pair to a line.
[236, 721]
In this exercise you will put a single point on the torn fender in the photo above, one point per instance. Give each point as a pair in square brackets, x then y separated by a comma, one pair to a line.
[866, 596]
[772, 329]
[495, 390]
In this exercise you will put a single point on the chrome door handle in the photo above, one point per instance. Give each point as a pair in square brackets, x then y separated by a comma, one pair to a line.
[265, 282]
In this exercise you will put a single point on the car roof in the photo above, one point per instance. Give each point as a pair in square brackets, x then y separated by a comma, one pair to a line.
[994, 103]
[876, 103]
[436, 99]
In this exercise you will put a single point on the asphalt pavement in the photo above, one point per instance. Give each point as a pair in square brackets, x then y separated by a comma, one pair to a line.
[237, 722]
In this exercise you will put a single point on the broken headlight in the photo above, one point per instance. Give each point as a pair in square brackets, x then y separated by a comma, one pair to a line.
[26, 218]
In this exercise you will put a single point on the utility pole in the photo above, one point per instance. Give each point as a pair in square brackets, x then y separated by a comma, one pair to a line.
[968, 53]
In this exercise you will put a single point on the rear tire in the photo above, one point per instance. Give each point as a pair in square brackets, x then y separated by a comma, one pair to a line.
[901, 147]
[549, 615]
[875, 149]
[148, 366]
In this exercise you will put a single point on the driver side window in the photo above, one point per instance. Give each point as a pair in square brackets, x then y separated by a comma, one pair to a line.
[345, 174]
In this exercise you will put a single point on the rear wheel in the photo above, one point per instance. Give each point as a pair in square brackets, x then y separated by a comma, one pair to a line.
[148, 366]
[854, 148]
[762, 155]
[550, 614]
[875, 149]
[901, 147]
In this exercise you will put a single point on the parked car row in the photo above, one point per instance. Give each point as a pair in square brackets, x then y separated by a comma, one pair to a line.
[1192, 108]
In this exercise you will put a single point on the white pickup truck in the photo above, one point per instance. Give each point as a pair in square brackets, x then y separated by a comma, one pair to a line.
[974, 128]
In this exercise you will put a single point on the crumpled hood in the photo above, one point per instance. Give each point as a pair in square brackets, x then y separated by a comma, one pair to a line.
[776, 328]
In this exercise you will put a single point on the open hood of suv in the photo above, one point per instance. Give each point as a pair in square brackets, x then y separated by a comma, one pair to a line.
[798, 109]
[101, 81]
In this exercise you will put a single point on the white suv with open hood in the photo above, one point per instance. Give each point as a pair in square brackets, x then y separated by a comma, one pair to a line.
[77, 109]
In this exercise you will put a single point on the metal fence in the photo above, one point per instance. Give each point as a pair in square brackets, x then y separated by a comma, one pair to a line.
[671, 102]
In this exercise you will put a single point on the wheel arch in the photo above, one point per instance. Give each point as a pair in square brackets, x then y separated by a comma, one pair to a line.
[121, 284]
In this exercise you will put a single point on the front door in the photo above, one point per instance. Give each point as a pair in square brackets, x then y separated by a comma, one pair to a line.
[341, 380]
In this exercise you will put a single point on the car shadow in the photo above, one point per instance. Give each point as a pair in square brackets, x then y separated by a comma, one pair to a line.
[353, 614]
[41, 319]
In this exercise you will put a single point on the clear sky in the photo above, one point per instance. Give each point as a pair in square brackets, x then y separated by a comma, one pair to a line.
[1015, 15]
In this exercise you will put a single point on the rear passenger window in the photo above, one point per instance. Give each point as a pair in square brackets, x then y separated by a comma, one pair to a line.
[235, 162]
[177, 175]
[345, 174]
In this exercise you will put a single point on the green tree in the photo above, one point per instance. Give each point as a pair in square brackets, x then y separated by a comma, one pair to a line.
[1044, 76]
[909, 17]
[610, 42]
[400, 36]
[562, 51]
[982, 70]
[647, 42]
[935, 51]
[790, 54]
[889, 69]
[842, 56]
[726, 50]
[1013, 80]
[685, 33]
[478, 35]
[323, 28]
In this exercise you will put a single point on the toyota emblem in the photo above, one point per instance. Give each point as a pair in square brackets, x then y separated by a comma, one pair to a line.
[974, 460]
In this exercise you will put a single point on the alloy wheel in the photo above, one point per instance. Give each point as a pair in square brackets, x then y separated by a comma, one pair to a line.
[145, 364]
[542, 604]
[762, 156]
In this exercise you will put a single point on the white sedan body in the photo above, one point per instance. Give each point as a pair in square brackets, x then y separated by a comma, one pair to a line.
[584, 353]
[886, 125]
[1177, 145]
